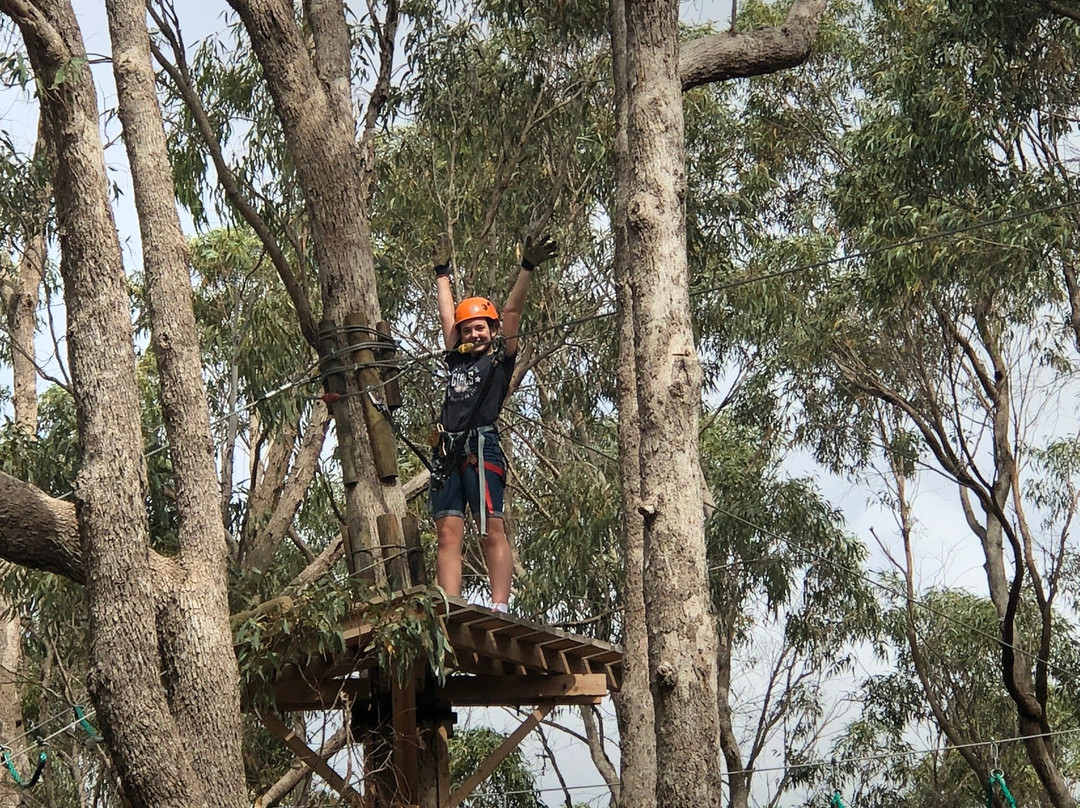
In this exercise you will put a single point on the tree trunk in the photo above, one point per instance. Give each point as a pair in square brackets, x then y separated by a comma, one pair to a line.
[681, 628]
[196, 641]
[320, 135]
[738, 781]
[633, 704]
[125, 681]
[22, 324]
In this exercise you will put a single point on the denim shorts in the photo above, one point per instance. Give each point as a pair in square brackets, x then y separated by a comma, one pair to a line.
[462, 483]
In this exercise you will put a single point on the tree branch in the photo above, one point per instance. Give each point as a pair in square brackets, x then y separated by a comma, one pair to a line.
[719, 57]
[38, 531]
[178, 73]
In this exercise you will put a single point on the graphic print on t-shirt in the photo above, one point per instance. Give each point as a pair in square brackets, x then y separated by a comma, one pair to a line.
[463, 382]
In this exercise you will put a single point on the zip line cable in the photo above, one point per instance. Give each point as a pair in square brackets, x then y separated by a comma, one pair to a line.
[837, 259]
[9, 755]
[822, 764]
[866, 578]
[416, 359]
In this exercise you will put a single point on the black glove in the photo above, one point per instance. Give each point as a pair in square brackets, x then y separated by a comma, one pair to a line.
[538, 250]
[442, 257]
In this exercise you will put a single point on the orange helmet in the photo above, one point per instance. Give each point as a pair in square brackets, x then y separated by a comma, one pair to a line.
[472, 307]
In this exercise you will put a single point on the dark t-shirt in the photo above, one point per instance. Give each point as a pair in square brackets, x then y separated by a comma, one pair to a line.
[467, 380]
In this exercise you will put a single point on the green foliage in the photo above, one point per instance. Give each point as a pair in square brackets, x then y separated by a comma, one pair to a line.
[297, 628]
[777, 551]
[961, 661]
[511, 785]
[247, 327]
[50, 458]
[574, 522]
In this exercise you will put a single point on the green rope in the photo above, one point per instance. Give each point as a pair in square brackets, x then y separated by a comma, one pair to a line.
[836, 801]
[5, 753]
[997, 776]
[89, 730]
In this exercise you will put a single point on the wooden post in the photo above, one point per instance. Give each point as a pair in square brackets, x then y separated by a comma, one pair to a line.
[358, 556]
[393, 551]
[406, 765]
[410, 526]
[434, 766]
[391, 388]
[383, 440]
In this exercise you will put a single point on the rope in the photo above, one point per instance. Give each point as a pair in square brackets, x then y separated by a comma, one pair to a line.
[89, 730]
[5, 753]
[997, 777]
[80, 721]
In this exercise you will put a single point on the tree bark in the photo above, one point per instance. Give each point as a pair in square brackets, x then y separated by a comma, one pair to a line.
[681, 628]
[22, 324]
[320, 135]
[633, 703]
[38, 531]
[196, 641]
[730, 55]
[125, 680]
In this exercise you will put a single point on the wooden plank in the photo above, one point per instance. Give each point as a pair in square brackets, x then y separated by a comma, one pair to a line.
[573, 664]
[614, 676]
[292, 695]
[312, 760]
[463, 638]
[560, 644]
[495, 758]
[514, 691]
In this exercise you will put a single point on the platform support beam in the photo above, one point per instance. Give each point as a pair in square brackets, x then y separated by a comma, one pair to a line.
[312, 759]
[498, 756]
[406, 742]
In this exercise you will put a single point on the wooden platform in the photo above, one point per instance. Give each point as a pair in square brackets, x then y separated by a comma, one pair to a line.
[497, 660]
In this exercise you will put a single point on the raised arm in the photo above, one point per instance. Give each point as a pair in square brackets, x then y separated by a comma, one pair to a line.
[535, 252]
[445, 292]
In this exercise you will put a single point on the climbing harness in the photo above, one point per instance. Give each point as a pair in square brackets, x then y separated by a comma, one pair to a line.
[997, 778]
[450, 448]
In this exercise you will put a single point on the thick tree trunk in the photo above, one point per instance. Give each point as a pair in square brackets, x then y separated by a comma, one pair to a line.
[196, 642]
[633, 704]
[681, 629]
[125, 680]
[320, 135]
